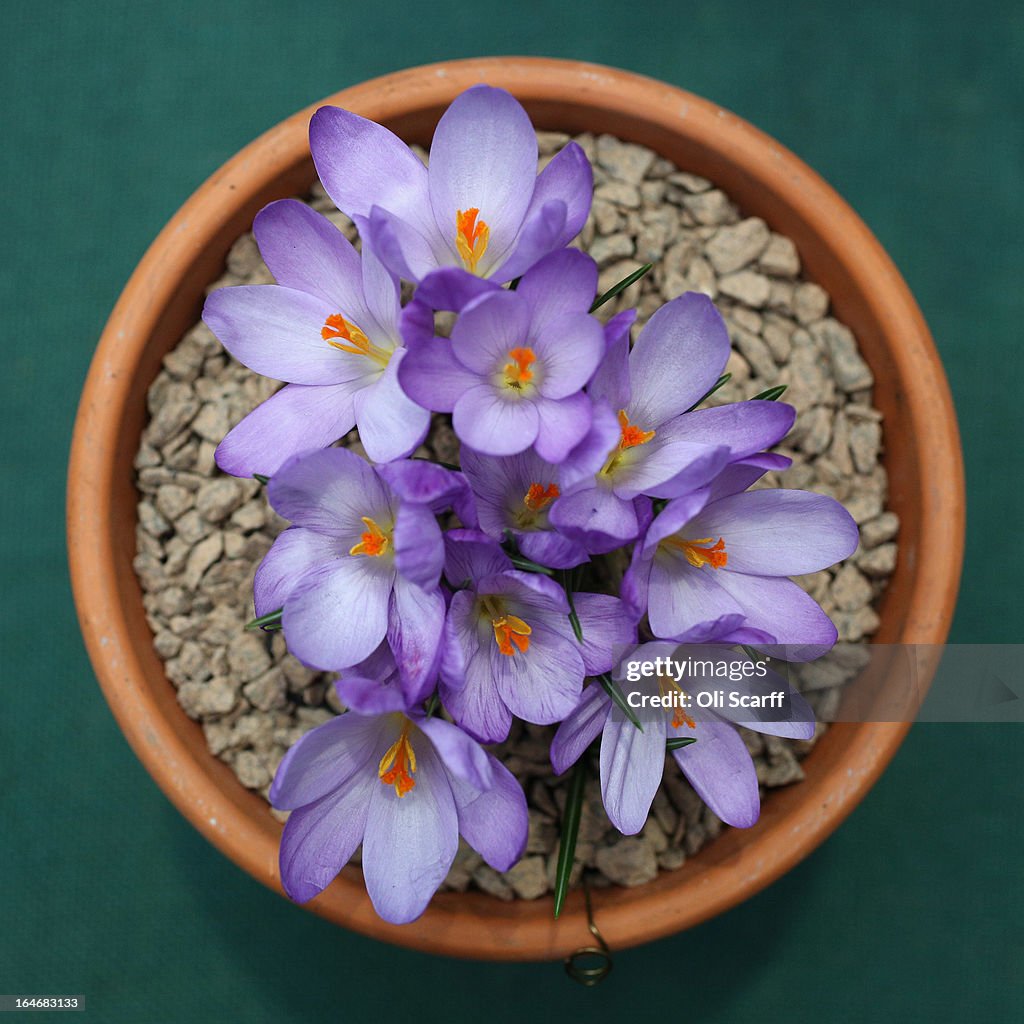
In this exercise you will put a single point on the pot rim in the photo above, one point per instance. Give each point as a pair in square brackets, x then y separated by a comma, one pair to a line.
[736, 865]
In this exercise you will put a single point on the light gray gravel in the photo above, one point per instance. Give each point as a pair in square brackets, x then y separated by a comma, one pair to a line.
[201, 535]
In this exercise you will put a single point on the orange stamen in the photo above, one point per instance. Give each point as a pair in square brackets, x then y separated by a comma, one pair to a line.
[539, 497]
[375, 541]
[509, 630]
[353, 339]
[716, 556]
[471, 237]
[398, 765]
[681, 718]
[518, 372]
[632, 435]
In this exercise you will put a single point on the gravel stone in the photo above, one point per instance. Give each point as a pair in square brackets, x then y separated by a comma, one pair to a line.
[850, 590]
[173, 501]
[528, 878]
[810, 302]
[878, 563]
[865, 444]
[851, 372]
[879, 530]
[619, 193]
[203, 555]
[780, 257]
[218, 499]
[247, 657]
[711, 208]
[623, 160]
[629, 862]
[747, 286]
[216, 697]
[733, 248]
[610, 248]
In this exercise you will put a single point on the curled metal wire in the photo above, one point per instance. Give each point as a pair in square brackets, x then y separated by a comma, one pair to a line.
[590, 965]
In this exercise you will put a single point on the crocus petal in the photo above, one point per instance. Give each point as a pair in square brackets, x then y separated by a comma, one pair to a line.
[338, 613]
[744, 427]
[276, 332]
[542, 233]
[679, 355]
[471, 555]
[403, 249]
[738, 476]
[361, 165]
[305, 251]
[778, 606]
[607, 628]
[611, 381]
[636, 583]
[540, 594]
[324, 759]
[294, 553]
[681, 597]
[666, 468]
[569, 347]
[452, 288]
[415, 621]
[432, 377]
[483, 155]
[423, 483]
[542, 684]
[561, 283]
[492, 424]
[476, 705]
[367, 695]
[569, 179]
[719, 768]
[391, 425]
[494, 821]
[563, 424]
[410, 842]
[419, 545]
[778, 532]
[295, 419]
[463, 758]
[320, 838]
[673, 518]
[328, 491]
[632, 764]
[382, 293]
[551, 549]
[580, 728]
[488, 329]
[587, 458]
[595, 517]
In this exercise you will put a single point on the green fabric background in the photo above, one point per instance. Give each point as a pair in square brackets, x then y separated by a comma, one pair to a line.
[112, 113]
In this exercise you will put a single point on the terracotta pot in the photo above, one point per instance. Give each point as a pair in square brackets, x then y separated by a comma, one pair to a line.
[164, 297]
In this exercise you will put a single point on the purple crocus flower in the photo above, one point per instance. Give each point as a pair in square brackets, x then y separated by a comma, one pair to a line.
[330, 328]
[657, 447]
[513, 370]
[714, 565]
[405, 786]
[481, 210]
[509, 647]
[718, 765]
[361, 561]
[516, 493]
